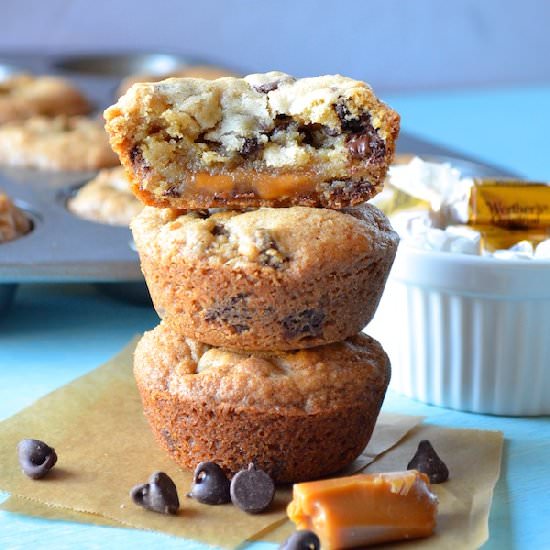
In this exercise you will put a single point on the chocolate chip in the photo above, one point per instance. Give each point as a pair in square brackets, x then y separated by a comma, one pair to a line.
[366, 145]
[210, 484]
[353, 124]
[267, 87]
[35, 457]
[282, 121]
[250, 147]
[159, 495]
[301, 540]
[272, 257]
[137, 160]
[234, 312]
[427, 461]
[349, 123]
[363, 141]
[172, 192]
[308, 322]
[269, 252]
[136, 156]
[313, 134]
[343, 193]
[252, 490]
[219, 230]
[239, 328]
[360, 146]
[203, 214]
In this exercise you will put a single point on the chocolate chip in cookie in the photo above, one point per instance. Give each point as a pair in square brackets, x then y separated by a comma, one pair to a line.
[308, 322]
[270, 254]
[233, 312]
[250, 147]
[363, 140]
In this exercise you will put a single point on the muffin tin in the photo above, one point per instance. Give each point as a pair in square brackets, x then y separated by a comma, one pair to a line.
[64, 248]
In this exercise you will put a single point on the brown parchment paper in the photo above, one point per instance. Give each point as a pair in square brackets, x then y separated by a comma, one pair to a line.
[27, 507]
[473, 458]
[105, 447]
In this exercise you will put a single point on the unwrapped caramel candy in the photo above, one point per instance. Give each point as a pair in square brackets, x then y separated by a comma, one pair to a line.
[365, 509]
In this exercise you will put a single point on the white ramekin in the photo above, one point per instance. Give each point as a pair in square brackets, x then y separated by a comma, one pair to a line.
[468, 332]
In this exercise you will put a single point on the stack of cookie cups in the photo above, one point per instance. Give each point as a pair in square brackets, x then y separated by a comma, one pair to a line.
[259, 356]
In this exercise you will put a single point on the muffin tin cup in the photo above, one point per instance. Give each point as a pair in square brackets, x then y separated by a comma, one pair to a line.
[123, 64]
[468, 333]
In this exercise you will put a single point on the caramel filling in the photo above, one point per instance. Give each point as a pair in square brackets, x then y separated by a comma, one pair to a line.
[260, 184]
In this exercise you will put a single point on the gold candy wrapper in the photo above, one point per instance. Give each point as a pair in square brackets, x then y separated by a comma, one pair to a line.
[496, 238]
[392, 200]
[511, 204]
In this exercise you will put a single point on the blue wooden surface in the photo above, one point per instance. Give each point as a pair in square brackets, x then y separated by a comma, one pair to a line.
[55, 333]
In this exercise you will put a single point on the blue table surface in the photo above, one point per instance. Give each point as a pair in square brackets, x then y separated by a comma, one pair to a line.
[55, 333]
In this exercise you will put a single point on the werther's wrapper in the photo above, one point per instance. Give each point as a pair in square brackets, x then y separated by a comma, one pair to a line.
[512, 204]
[495, 238]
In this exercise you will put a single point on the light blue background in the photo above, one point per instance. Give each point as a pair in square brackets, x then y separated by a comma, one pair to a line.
[393, 44]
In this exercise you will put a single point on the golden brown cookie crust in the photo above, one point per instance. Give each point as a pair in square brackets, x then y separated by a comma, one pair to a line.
[263, 140]
[60, 143]
[266, 279]
[208, 72]
[24, 96]
[106, 199]
[297, 415]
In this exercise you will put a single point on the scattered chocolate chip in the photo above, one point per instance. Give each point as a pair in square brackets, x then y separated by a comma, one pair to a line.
[267, 87]
[427, 461]
[308, 322]
[301, 540]
[250, 147]
[210, 484]
[35, 457]
[159, 495]
[233, 312]
[252, 490]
